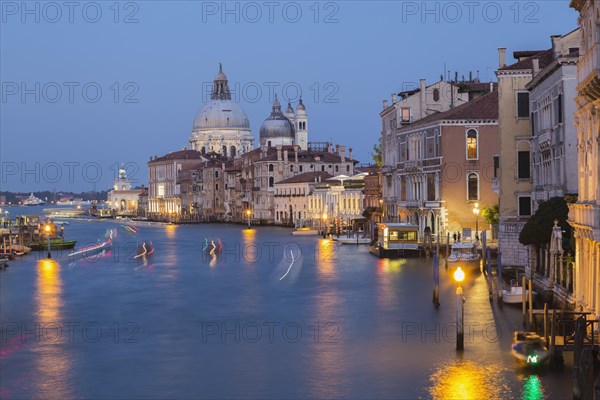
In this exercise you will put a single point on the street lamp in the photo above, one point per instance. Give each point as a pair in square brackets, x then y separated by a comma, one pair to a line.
[48, 229]
[248, 212]
[459, 276]
[324, 224]
[476, 212]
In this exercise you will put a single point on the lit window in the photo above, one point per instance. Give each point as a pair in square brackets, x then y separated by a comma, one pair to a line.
[405, 115]
[472, 145]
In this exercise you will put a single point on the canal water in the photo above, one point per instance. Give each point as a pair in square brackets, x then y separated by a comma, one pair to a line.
[270, 316]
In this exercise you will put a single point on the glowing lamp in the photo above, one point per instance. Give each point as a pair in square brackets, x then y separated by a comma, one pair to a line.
[47, 228]
[459, 275]
[324, 215]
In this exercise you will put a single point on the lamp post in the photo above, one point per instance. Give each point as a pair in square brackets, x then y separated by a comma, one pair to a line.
[459, 276]
[48, 229]
[324, 225]
[476, 212]
[248, 212]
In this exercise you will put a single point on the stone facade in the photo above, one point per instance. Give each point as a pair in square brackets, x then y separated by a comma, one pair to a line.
[584, 216]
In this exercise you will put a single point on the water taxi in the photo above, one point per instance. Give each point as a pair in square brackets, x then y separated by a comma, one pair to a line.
[395, 240]
[529, 348]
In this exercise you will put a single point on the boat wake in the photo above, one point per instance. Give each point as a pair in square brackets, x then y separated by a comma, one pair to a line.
[288, 269]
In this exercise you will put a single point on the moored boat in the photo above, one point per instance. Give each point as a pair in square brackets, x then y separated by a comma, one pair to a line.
[394, 240]
[3, 262]
[356, 239]
[515, 294]
[529, 348]
[305, 231]
[55, 244]
[464, 254]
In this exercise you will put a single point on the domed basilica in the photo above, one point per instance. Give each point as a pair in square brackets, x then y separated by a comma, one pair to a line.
[221, 125]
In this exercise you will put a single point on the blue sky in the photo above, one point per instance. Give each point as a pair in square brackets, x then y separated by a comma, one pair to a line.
[87, 86]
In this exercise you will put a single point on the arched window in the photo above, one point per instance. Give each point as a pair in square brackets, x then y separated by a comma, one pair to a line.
[347, 168]
[217, 202]
[270, 167]
[436, 95]
[232, 151]
[300, 168]
[337, 168]
[203, 151]
[472, 186]
[216, 186]
[292, 168]
[225, 151]
[323, 168]
[472, 150]
[271, 181]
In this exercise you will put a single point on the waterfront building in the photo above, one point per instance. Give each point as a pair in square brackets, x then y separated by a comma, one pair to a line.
[408, 107]
[341, 200]
[122, 199]
[584, 215]
[292, 198]
[552, 93]
[515, 183]
[263, 167]
[221, 125]
[445, 167]
[164, 200]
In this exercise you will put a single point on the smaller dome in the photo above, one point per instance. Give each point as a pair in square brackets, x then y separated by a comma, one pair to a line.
[277, 125]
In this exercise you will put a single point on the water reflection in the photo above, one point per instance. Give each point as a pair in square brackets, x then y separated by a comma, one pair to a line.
[325, 256]
[532, 388]
[387, 271]
[52, 362]
[468, 380]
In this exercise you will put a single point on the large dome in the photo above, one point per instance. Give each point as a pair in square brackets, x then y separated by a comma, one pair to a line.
[221, 114]
[277, 125]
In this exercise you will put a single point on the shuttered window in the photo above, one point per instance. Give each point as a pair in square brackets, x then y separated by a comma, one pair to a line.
[523, 104]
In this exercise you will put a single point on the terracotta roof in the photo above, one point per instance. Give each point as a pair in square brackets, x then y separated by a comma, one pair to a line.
[485, 107]
[307, 177]
[180, 155]
[192, 166]
[479, 86]
[545, 57]
[303, 155]
[526, 53]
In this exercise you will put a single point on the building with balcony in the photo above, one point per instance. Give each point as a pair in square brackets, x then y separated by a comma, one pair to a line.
[584, 215]
[552, 93]
[445, 167]
[292, 198]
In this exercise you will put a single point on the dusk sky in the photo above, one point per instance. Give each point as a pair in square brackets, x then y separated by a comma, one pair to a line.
[155, 72]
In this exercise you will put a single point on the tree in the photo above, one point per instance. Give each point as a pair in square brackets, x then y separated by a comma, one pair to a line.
[491, 214]
[377, 153]
[538, 229]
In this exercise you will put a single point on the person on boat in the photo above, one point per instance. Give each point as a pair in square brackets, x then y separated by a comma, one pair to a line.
[454, 237]
[62, 232]
[459, 237]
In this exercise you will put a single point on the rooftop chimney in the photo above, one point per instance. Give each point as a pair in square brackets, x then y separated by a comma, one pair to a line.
[502, 57]
[385, 104]
[393, 98]
[350, 153]
[296, 147]
[343, 153]
[337, 149]
[536, 66]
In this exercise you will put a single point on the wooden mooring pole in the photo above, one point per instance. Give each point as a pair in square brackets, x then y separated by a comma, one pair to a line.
[499, 268]
[447, 249]
[524, 300]
[436, 280]
[577, 352]
[530, 293]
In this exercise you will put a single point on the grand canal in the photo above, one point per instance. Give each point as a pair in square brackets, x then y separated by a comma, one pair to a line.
[272, 316]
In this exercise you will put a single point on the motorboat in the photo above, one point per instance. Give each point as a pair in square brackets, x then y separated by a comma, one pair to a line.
[529, 348]
[305, 231]
[33, 201]
[515, 294]
[354, 239]
[395, 240]
[3, 262]
[465, 254]
[94, 249]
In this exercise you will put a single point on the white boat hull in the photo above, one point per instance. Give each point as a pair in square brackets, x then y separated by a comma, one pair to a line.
[353, 240]
[305, 232]
[515, 297]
